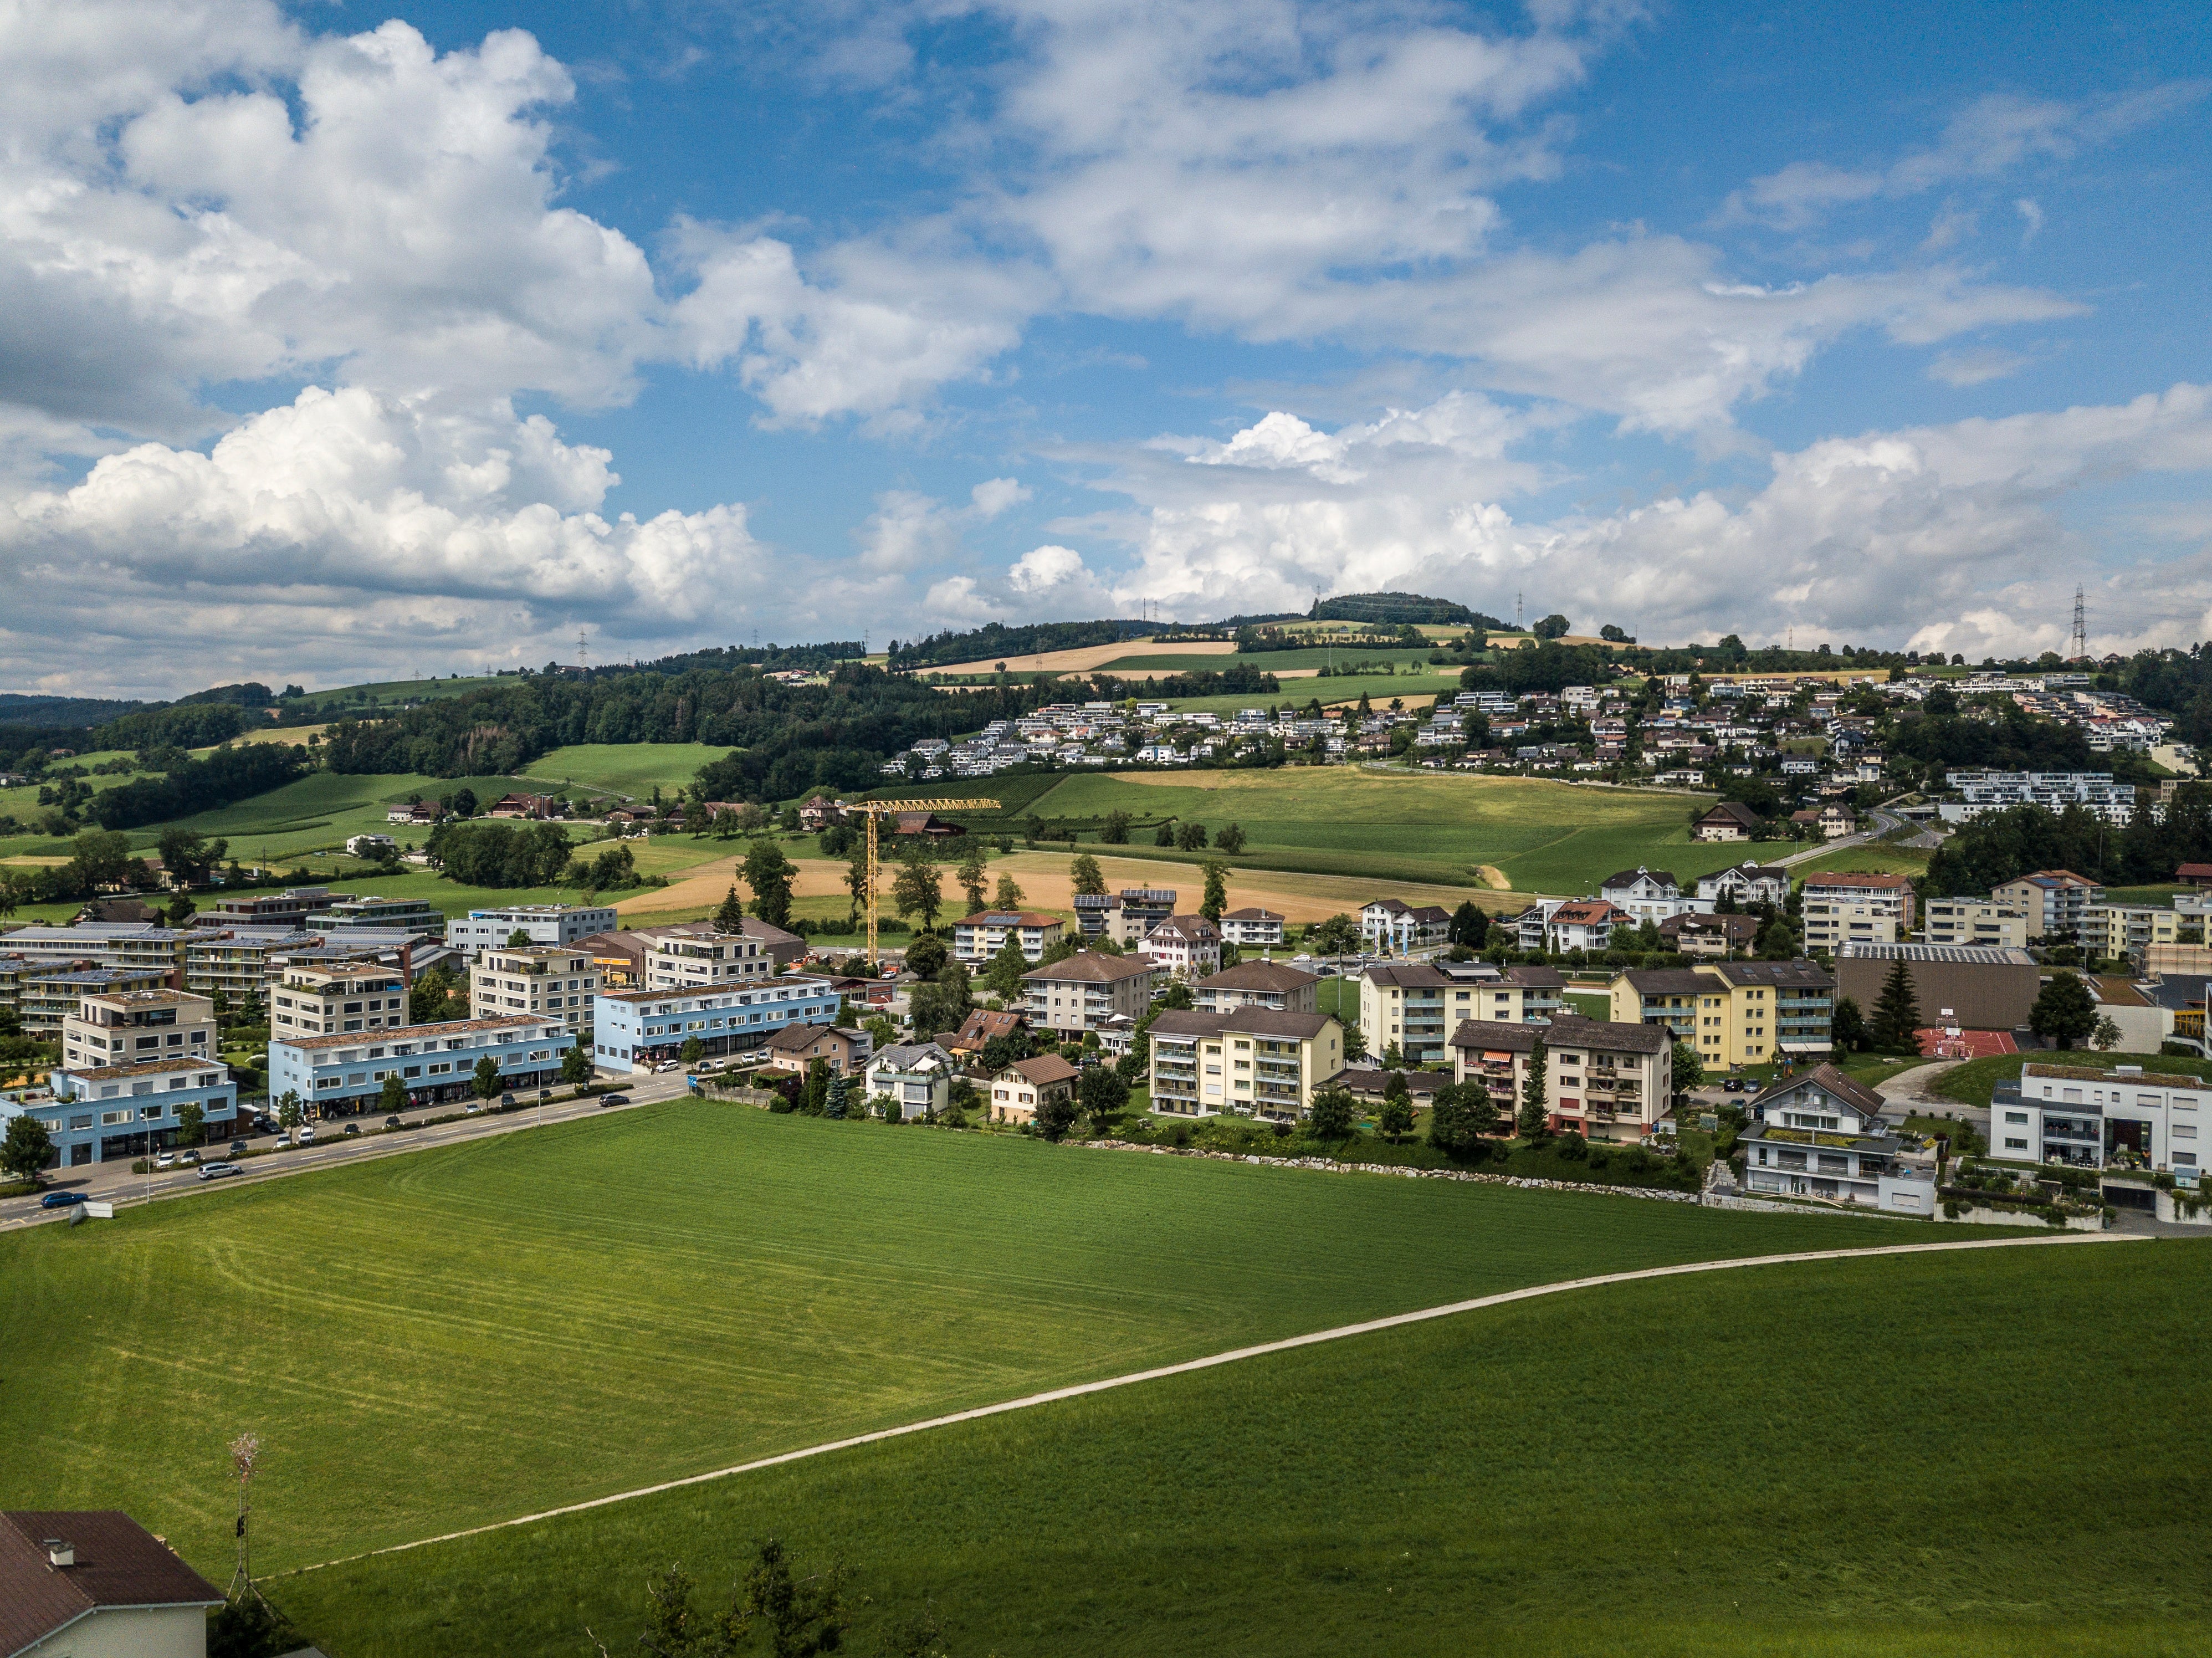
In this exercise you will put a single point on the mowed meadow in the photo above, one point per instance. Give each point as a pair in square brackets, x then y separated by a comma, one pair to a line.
[1959, 1455]
[462, 1335]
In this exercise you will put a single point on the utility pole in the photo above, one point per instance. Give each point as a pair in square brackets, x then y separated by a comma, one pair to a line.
[244, 1451]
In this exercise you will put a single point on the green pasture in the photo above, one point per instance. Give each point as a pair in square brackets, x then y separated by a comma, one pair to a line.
[1544, 837]
[628, 768]
[323, 810]
[456, 1336]
[1973, 1081]
[1602, 1472]
[1873, 858]
[384, 694]
[1378, 689]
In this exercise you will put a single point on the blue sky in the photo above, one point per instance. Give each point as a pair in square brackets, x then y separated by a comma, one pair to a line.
[341, 341]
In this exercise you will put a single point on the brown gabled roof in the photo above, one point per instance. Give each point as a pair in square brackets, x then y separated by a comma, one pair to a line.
[1090, 967]
[1735, 810]
[800, 1037]
[1257, 975]
[119, 1563]
[1243, 1021]
[982, 1024]
[1044, 1070]
[1568, 1031]
[1255, 913]
[1860, 1097]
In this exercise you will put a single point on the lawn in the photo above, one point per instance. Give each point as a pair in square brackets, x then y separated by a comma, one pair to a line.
[1542, 836]
[626, 768]
[1594, 1472]
[1972, 1081]
[1874, 857]
[460, 1335]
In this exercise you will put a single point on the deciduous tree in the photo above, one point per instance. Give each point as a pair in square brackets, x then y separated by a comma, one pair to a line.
[1008, 896]
[973, 873]
[1332, 1115]
[1085, 877]
[770, 876]
[26, 1149]
[918, 888]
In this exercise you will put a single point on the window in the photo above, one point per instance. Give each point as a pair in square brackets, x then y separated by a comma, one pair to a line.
[2012, 1144]
[2017, 1116]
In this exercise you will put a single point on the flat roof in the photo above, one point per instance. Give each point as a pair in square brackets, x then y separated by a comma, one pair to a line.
[1948, 955]
[148, 1068]
[416, 1032]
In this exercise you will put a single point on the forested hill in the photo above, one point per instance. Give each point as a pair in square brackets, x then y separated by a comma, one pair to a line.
[790, 738]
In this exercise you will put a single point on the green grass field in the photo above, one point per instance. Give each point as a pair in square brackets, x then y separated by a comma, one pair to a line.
[1543, 836]
[1378, 689]
[1276, 662]
[630, 768]
[1967, 1454]
[457, 1336]
[1972, 1081]
[1875, 858]
[322, 809]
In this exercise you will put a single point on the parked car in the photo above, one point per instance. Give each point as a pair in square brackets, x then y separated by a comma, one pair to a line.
[544, 1094]
[506, 1101]
[665, 1065]
[613, 1099]
[165, 1160]
[218, 1170]
[1735, 1086]
[283, 1141]
[475, 1108]
[61, 1200]
[393, 1122]
[353, 1131]
[238, 1148]
[307, 1135]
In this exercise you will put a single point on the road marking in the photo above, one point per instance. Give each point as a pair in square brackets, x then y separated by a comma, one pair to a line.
[1236, 1355]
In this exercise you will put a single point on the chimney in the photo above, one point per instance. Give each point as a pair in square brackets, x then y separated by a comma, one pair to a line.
[61, 1552]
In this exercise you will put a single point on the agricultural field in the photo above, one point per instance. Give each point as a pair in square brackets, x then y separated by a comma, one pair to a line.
[1593, 1472]
[321, 810]
[1871, 857]
[1414, 690]
[460, 1335]
[1279, 663]
[345, 700]
[1537, 835]
[625, 769]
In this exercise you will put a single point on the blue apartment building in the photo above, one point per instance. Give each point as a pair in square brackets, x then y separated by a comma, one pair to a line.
[435, 1063]
[102, 1113]
[635, 1029]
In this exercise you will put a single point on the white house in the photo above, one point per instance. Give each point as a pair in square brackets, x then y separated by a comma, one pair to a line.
[97, 1583]
[1253, 928]
[2116, 1117]
[915, 1078]
[1650, 895]
[1188, 946]
[1746, 883]
[1821, 1135]
[1394, 926]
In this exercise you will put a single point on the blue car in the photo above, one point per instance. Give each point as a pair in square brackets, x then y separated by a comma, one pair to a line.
[61, 1200]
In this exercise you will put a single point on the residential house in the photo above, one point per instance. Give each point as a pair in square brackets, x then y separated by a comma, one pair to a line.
[96, 1581]
[1709, 935]
[434, 1062]
[979, 938]
[1746, 885]
[1974, 921]
[289, 908]
[1649, 895]
[1584, 924]
[699, 955]
[796, 1047]
[983, 1026]
[1088, 989]
[1396, 927]
[911, 1079]
[549, 979]
[2052, 900]
[1188, 946]
[1847, 907]
[1602, 1081]
[1249, 1060]
[1830, 822]
[1728, 820]
[2126, 932]
[2104, 1117]
[1253, 928]
[1820, 1134]
[637, 1030]
[1413, 1007]
[820, 812]
[1258, 984]
[1021, 1088]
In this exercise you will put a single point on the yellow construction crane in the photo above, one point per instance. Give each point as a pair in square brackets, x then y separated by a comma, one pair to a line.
[873, 810]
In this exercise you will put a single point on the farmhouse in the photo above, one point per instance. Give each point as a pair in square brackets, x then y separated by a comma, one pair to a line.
[1729, 820]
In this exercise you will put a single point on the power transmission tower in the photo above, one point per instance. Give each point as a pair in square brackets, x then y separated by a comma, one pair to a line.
[1517, 628]
[2080, 641]
[582, 661]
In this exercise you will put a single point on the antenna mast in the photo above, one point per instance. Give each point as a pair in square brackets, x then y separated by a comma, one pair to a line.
[1517, 628]
[582, 660]
[2080, 642]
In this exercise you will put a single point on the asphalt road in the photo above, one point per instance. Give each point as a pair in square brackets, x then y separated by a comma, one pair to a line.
[113, 1182]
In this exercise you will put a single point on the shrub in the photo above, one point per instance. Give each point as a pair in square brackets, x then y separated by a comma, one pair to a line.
[1572, 1147]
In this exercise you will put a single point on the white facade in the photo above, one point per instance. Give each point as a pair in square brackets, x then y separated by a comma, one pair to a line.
[546, 924]
[2103, 1118]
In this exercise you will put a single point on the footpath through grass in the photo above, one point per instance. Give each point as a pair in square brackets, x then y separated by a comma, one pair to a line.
[462, 1335]
[1841, 1458]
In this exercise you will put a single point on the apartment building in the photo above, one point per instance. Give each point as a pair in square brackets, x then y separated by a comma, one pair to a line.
[2126, 932]
[1846, 906]
[1270, 984]
[1084, 992]
[391, 914]
[135, 1027]
[338, 998]
[1733, 1012]
[698, 956]
[50, 994]
[1602, 1081]
[1982, 922]
[1253, 928]
[2104, 1117]
[435, 1063]
[1188, 946]
[1821, 1135]
[239, 962]
[637, 1030]
[1398, 928]
[103, 1113]
[289, 908]
[2052, 900]
[979, 938]
[1414, 1007]
[560, 925]
[97, 944]
[548, 979]
[1249, 1060]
